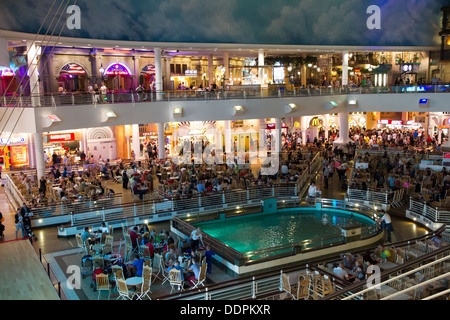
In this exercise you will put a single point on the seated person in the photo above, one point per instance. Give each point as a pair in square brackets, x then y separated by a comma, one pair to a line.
[171, 256]
[176, 265]
[86, 235]
[138, 265]
[339, 271]
[348, 260]
[193, 271]
[360, 274]
[437, 240]
[103, 228]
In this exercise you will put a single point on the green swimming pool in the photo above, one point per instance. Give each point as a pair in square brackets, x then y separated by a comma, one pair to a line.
[258, 231]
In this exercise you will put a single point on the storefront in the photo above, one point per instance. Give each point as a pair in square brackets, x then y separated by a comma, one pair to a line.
[60, 142]
[183, 81]
[14, 152]
[8, 82]
[72, 77]
[118, 77]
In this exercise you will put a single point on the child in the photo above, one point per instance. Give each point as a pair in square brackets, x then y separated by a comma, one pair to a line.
[208, 255]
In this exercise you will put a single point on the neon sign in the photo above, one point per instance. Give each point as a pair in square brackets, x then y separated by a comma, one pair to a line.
[7, 73]
[117, 69]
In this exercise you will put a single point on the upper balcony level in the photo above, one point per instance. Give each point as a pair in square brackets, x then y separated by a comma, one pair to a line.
[91, 110]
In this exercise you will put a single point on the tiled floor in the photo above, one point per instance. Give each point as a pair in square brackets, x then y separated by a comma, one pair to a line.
[62, 252]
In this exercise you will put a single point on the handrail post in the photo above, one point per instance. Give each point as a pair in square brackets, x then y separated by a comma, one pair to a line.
[103, 214]
[73, 99]
[253, 288]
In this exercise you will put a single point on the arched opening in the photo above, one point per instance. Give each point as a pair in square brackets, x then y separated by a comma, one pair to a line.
[72, 77]
[147, 76]
[118, 77]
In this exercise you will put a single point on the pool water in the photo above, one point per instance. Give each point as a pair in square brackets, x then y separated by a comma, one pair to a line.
[256, 231]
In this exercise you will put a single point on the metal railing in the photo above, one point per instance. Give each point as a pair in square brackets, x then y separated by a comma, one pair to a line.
[429, 215]
[67, 99]
[368, 195]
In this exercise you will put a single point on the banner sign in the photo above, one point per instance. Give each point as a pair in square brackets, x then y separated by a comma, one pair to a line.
[58, 137]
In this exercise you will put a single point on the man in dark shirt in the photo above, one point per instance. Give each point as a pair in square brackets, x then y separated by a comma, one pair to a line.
[134, 237]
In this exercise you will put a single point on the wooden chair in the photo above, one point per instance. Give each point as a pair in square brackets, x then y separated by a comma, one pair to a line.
[98, 261]
[146, 271]
[327, 286]
[103, 284]
[303, 287]
[175, 280]
[287, 288]
[201, 277]
[80, 244]
[123, 290]
[115, 269]
[107, 246]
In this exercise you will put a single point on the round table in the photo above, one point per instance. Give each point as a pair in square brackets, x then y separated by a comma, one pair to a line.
[134, 281]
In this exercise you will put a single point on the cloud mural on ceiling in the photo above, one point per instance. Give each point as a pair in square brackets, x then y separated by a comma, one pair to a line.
[294, 22]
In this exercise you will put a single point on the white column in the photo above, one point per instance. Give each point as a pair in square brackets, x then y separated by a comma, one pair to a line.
[345, 68]
[343, 129]
[31, 150]
[277, 136]
[210, 70]
[135, 141]
[439, 135]
[228, 142]
[39, 153]
[161, 141]
[33, 54]
[261, 63]
[226, 65]
[158, 74]
[4, 53]
[304, 127]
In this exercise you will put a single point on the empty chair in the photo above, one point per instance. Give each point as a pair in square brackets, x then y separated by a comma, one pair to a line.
[103, 284]
[290, 291]
[123, 290]
[145, 289]
[175, 280]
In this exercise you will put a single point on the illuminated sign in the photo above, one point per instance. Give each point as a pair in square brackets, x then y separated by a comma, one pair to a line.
[19, 156]
[117, 69]
[7, 73]
[12, 140]
[191, 73]
[393, 122]
[58, 137]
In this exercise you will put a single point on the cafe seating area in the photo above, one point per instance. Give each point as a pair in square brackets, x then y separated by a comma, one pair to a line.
[109, 265]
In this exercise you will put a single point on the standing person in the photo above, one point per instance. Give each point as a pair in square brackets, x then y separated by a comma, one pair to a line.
[326, 174]
[18, 221]
[42, 185]
[195, 238]
[386, 224]
[82, 157]
[124, 179]
[103, 91]
[312, 190]
[208, 255]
